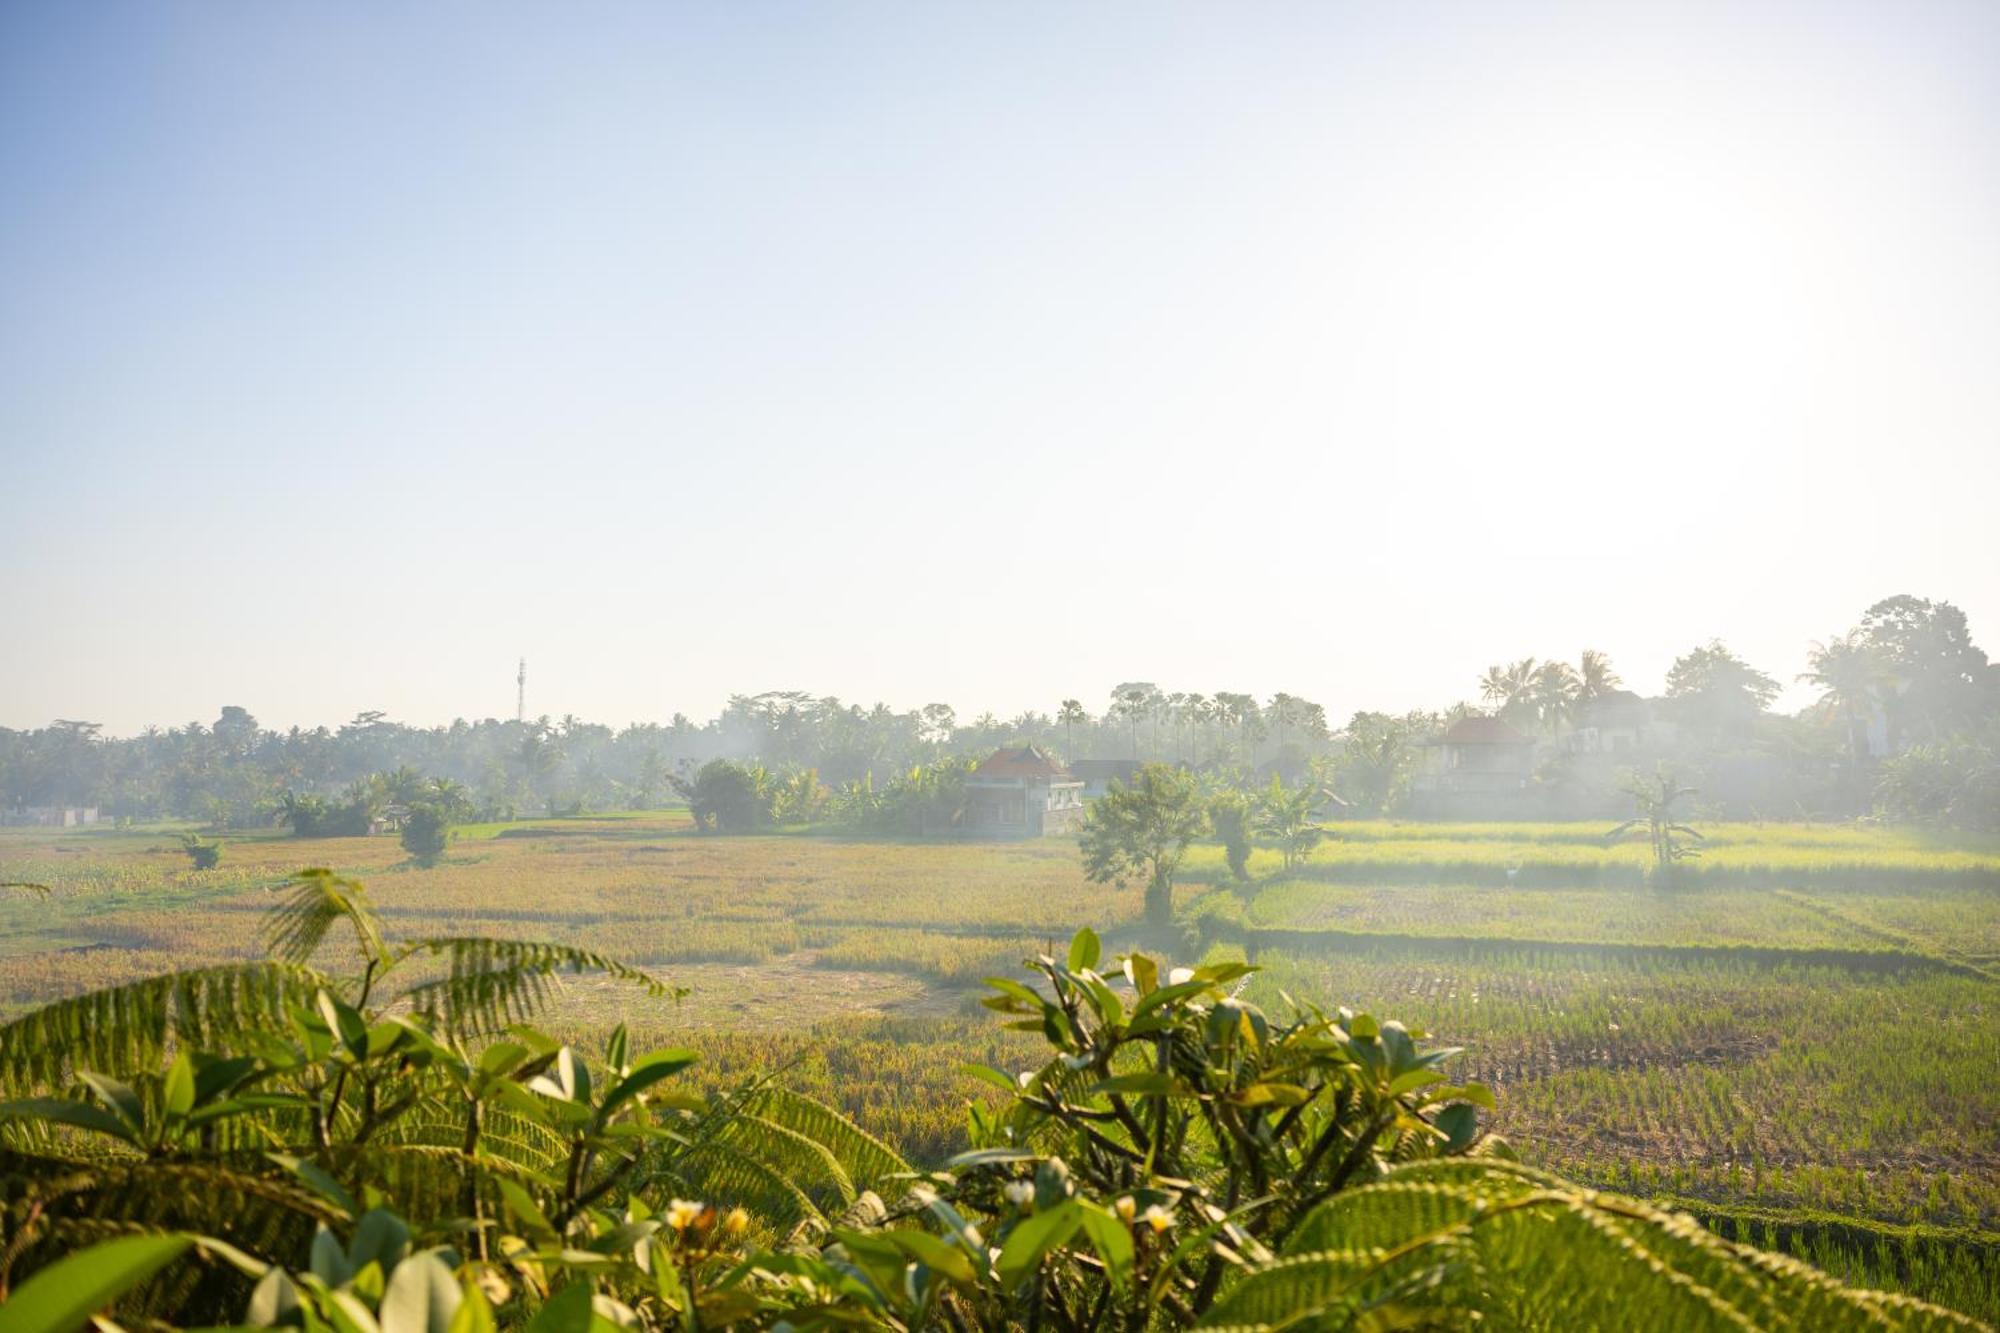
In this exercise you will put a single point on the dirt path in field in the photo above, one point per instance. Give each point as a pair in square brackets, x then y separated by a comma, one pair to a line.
[789, 992]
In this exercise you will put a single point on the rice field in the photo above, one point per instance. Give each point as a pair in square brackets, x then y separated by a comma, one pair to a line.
[1365, 851]
[1801, 1043]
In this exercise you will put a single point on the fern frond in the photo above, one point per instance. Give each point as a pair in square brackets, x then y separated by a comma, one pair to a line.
[294, 929]
[866, 1160]
[76, 1204]
[495, 982]
[1444, 1239]
[425, 1180]
[126, 1029]
[725, 1174]
[805, 1162]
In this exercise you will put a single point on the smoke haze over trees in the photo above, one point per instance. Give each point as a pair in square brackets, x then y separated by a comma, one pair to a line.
[1905, 719]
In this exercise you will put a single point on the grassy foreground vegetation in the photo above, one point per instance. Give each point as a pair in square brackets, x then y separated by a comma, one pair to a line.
[1797, 1044]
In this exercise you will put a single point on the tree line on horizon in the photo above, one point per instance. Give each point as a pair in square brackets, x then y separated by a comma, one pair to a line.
[1908, 672]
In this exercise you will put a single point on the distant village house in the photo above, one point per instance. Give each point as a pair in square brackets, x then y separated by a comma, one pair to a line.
[1613, 722]
[1021, 793]
[49, 816]
[1480, 768]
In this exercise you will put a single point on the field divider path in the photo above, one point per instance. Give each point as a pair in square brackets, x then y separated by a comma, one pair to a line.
[1059, 934]
[1906, 943]
[1256, 938]
[1526, 872]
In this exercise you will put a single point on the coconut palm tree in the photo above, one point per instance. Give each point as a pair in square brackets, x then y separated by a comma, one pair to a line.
[304, 813]
[1510, 687]
[1594, 676]
[1851, 678]
[1554, 694]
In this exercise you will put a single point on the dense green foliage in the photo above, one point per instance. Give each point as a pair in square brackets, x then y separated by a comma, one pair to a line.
[1908, 722]
[426, 833]
[388, 1143]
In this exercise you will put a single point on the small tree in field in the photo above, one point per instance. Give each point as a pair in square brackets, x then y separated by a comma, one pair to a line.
[425, 834]
[206, 853]
[1144, 829]
[1672, 842]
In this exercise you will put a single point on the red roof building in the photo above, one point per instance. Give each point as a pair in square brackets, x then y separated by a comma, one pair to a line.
[1021, 793]
[1029, 761]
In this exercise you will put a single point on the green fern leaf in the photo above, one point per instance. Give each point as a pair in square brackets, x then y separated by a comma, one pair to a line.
[125, 1030]
[494, 982]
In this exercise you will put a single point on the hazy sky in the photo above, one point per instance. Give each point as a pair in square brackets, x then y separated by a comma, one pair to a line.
[986, 354]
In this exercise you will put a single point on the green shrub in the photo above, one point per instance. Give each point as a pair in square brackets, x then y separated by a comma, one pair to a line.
[426, 833]
[205, 853]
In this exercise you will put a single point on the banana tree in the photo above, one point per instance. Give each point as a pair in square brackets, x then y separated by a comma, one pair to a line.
[1672, 842]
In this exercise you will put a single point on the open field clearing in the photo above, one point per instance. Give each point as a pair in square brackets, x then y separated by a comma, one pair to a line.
[1802, 1043]
[1700, 916]
[1374, 851]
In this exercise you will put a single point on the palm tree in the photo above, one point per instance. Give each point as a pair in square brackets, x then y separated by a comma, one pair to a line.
[404, 786]
[449, 796]
[1132, 701]
[1228, 708]
[1280, 712]
[303, 813]
[1176, 713]
[1286, 816]
[1509, 687]
[1069, 715]
[1197, 714]
[1850, 677]
[1554, 695]
[1594, 675]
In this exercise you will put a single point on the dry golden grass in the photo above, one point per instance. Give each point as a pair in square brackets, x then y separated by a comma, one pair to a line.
[1668, 1060]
